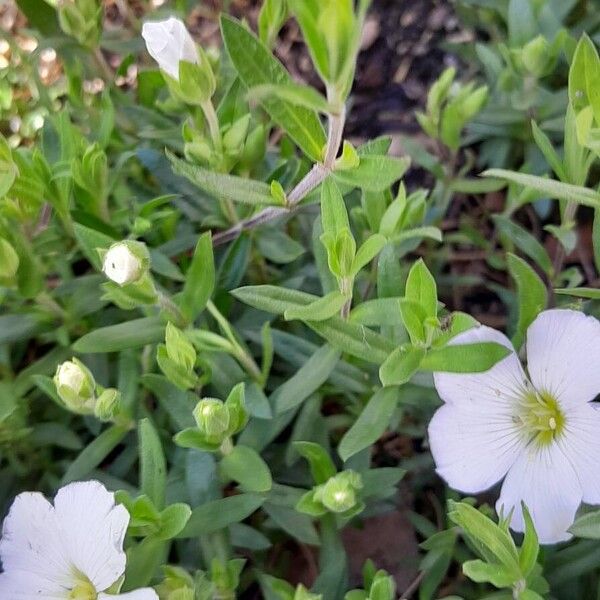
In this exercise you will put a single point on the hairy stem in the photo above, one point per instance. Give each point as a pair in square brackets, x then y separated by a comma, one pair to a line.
[306, 185]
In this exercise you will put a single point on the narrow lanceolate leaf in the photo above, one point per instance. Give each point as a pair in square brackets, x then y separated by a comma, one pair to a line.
[371, 424]
[245, 466]
[380, 311]
[218, 514]
[307, 380]
[199, 279]
[526, 242]
[153, 465]
[531, 293]
[131, 334]
[294, 93]
[353, 339]
[549, 187]
[273, 299]
[256, 66]
[91, 456]
[465, 358]
[580, 292]
[401, 365]
[374, 173]
[319, 310]
[230, 187]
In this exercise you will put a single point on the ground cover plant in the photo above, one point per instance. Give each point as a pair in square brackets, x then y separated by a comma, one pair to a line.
[252, 345]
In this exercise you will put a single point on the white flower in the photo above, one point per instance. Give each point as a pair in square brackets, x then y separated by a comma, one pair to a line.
[169, 42]
[70, 375]
[75, 386]
[121, 265]
[539, 430]
[70, 551]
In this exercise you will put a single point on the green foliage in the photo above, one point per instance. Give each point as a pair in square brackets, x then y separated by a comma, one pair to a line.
[230, 315]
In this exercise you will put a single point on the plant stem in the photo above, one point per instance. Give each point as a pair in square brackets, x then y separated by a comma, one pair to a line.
[107, 72]
[238, 351]
[167, 304]
[213, 122]
[306, 185]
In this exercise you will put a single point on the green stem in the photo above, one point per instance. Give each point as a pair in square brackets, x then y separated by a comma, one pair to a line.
[213, 122]
[333, 562]
[238, 351]
[167, 304]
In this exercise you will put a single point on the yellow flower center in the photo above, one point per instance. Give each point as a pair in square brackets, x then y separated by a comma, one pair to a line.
[541, 416]
[83, 590]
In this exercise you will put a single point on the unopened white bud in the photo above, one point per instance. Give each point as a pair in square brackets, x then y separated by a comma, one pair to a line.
[121, 264]
[169, 42]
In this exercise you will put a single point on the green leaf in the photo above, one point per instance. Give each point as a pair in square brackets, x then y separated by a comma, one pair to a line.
[245, 466]
[42, 16]
[545, 145]
[380, 311]
[199, 279]
[319, 310]
[526, 242]
[401, 365]
[484, 531]
[580, 292]
[172, 520]
[367, 252]
[91, 456]
[587, 526]
[421, 288]
[321, 465]
[530, 547]
[294, 93]
[464, 358]
[273, 299]
[353, 339]
[334, 216]
[482, 572]
[89, 240]
[130, 334]
[219, 185]
[221, 513]
[583, 78]
[256, 66]
[307, 380]
[153, 465]
[374, 173]
[531, 293]
[371, 424]
[549, 187]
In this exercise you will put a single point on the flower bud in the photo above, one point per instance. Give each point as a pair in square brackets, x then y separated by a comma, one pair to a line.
[107, 404]
[537, 56]
[125, 262]
[75, 386]
[177, 358]
[177, 585]
[9, 262]
[169, 42]
[338, 494]
[212, 418]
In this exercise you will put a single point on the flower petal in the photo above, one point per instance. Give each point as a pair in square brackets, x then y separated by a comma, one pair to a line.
[24, 585]
[563, 355]
[473, 438]
[498, 388]
[473, 449]
[580, 443]
[94, 529]
[33, 554]
[545, 481]
[141, 594]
